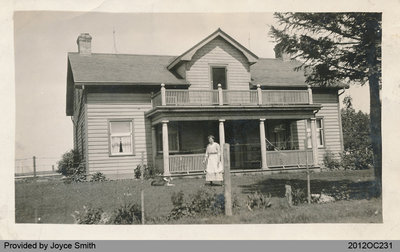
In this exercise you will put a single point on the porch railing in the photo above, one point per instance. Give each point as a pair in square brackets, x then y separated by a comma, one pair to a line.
[185, 97]
[186, 163]
[289, 158]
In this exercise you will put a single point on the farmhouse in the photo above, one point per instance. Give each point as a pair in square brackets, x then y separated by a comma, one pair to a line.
[158, 110]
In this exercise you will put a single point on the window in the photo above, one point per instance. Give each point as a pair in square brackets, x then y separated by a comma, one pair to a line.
[121, 137]
[320, 132]
[173, 138]
[319, 128]
[218, 75]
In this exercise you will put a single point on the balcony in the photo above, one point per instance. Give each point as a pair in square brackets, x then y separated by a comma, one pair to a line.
[185, 97]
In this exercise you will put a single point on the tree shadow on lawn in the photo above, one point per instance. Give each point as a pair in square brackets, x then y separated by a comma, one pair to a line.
[344, 189]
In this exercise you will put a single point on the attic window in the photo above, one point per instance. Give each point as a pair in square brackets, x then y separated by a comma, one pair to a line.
[121, 139]
[218, 74]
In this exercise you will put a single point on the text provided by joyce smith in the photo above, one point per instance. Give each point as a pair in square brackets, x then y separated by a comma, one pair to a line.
[47, 245]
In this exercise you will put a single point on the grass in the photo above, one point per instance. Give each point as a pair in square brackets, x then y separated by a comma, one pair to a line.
[54, 201]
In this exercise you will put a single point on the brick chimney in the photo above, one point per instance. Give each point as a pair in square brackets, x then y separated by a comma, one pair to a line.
[84, 42]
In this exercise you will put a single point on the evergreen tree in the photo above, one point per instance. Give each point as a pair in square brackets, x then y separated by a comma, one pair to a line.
[336, 48]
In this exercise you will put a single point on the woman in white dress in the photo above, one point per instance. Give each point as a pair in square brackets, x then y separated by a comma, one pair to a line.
[212, 159]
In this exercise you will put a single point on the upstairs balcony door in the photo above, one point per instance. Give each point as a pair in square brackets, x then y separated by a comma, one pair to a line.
[218, 75]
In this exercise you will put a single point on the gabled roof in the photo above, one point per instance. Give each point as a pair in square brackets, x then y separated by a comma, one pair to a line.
[187, 56]
[99, 68]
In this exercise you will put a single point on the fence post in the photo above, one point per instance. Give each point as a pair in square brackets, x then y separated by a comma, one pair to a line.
[288, 194]
[227, 181]
[142, 166]
[142, 204]
[52, 168]
[308, 176]
[34, 166]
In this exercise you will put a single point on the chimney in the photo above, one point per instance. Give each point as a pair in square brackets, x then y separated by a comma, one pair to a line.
[280, 54]
[84, 44]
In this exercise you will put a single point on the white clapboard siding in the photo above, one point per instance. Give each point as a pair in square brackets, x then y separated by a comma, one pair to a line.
[79, 125]
[218, 52]
[103, 107]
[330, 112]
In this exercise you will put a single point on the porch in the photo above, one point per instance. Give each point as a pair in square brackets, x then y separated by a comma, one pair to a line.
[281, 147]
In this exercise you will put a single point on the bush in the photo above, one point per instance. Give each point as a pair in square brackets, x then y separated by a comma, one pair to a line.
[149, 171]
[330, 161]
[357, 160]
[98, 177]
[71, 166]
[203, 202]
[69, 163]
[88, 216]
[298, 196]
[127, 214]
[258, 200]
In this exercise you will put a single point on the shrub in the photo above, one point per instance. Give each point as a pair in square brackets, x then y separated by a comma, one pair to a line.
[258, 200]
[149, 171]
[357, 160]
[88, 216]
[98, 177]
[298, 196]
[127, 214]
[71, 166]
[330, 161]
[203, 202]
[79, 175]
[180, 208]
[69, 163]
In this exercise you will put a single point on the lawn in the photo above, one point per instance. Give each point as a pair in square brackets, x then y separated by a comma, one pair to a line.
[54, 202]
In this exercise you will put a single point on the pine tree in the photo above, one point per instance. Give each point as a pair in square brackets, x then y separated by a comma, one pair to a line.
[338, 48]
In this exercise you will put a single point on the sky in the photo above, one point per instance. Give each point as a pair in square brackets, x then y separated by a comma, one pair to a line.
[42, 40]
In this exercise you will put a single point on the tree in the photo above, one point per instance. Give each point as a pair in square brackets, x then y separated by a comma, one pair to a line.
[335, 48]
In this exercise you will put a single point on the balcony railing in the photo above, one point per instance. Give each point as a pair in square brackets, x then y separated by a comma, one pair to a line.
[186, 97]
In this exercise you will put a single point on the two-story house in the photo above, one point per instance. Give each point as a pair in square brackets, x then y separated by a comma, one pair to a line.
[159, 110]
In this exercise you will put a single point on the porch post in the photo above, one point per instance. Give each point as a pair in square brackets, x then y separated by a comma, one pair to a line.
[163, 100]
[222, 138]
[314, 141]
[263, 145]
[153, 144]
[259, 94]
[310, 100]
[220, 96]
[165, 147]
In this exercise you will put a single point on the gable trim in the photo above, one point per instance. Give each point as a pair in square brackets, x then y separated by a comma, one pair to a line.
[187, 56]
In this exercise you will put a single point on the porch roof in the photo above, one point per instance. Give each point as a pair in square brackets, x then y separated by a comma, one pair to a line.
[207, 113]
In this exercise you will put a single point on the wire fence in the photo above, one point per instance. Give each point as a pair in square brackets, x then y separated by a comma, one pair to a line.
[35, 165]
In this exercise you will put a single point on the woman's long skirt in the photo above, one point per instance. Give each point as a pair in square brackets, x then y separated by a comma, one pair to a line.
[214, 168]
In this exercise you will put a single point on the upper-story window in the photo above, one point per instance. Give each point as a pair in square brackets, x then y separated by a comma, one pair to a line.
[218, 75]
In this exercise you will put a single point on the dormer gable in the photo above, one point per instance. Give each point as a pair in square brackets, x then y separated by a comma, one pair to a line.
[188, 55]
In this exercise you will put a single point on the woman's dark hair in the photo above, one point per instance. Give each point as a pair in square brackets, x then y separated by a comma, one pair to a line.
[211, 136]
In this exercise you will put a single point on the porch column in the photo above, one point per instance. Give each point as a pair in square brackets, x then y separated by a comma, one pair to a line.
[263, 145]
[310, 99]
[259, 94]
[220, 95]
[314, 141]
[153, 144]
[222, 138]
[165, 147]
[163, 99]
